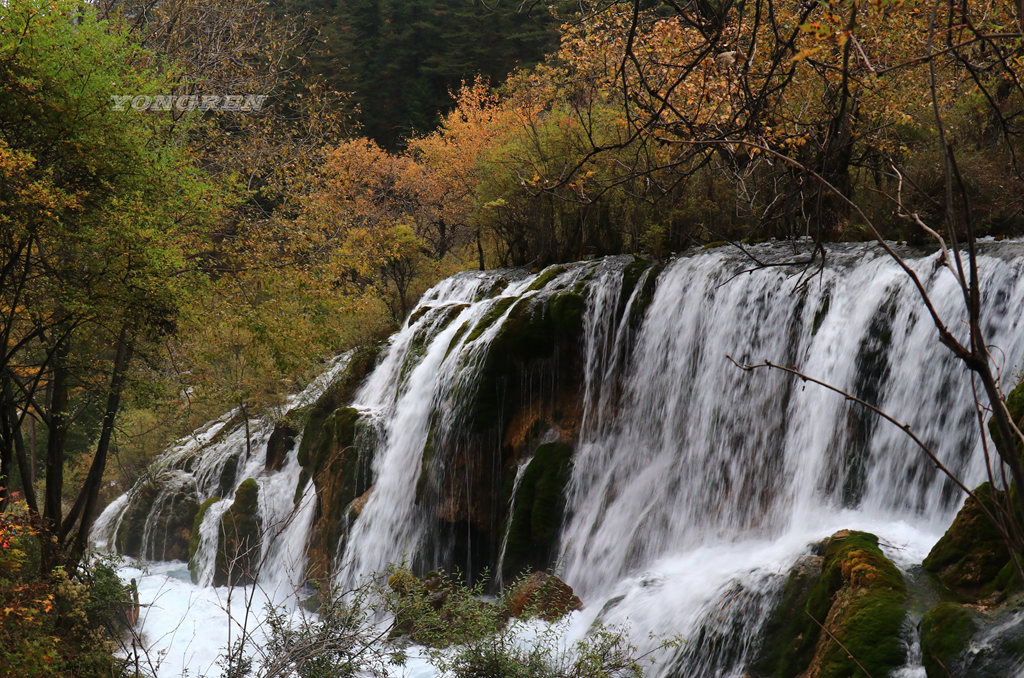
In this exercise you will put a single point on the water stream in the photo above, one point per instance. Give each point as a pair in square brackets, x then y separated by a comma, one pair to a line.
[695, 485]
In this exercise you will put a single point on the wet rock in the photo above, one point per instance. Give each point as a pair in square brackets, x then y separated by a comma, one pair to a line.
[946, 631]
[786, 641]
[356, 506]
[132, 526]
[281, 441]
[847, 623]
[538, 510]
[238, 550]
[339, 466]
[172, 528]
[541, 595]
[971, 554]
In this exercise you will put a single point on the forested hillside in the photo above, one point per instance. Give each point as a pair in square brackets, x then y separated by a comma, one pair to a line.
[402, 60]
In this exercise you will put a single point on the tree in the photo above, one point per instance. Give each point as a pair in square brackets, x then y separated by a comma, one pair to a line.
[104, 213]
[401, 58]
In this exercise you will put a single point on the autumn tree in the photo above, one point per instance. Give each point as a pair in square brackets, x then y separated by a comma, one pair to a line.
[103, 214]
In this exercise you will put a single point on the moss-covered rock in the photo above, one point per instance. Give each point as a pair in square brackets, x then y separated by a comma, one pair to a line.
[970, 555]
[227, 474]
[538, 509]
[238, 550]
[540, 595]
[193, 542]
[545, 277]
[538, 336]
[864, 594]
[644, 274]
[490, 317]
[848, 623]
[946, 630]
[132, 525]
[339, 466]
[1015, 404]
[787, 641]
[171, 529]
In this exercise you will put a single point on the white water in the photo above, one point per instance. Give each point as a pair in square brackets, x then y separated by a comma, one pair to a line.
[696, 485]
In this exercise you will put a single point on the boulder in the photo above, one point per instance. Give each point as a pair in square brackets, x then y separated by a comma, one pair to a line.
[238, 551]
[541, 595]
[970, 555]
[946, 631]
[843, 622]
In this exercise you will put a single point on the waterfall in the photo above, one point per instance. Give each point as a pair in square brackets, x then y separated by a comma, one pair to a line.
[210, 464]
[693, 485]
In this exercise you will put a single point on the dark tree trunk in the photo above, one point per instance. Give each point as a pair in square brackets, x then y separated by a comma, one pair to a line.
[58, 402]
[84, 509]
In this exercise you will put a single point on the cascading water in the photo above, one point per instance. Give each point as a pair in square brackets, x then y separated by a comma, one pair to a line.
[695, 485]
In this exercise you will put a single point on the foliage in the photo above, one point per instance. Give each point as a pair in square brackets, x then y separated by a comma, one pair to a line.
[604, 653]
[400, 59]
[55, 624]
[363, 632]
[107, 211]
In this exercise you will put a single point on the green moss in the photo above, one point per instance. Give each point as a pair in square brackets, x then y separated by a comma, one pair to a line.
[238, 548]
[859, 597]
[971, 553]
[715, 244]
[1006, 581]
[325, 433]
[871, 592]
[567, 309]
[336, 454]
[946, 630]
[1015, 404]
[537, 333]
[427, 459]
[538, 510]
[786, 644]
[459, 333]
[546, 276]
[491, 317]
[193, 542]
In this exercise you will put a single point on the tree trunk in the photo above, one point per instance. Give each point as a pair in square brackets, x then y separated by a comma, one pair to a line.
[55, 453]
[10, 424]
[88, 497]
